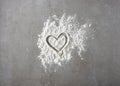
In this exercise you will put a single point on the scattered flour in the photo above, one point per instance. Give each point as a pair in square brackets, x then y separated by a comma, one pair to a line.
[76, 34]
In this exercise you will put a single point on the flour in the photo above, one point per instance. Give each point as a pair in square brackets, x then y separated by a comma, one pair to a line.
[76, 36]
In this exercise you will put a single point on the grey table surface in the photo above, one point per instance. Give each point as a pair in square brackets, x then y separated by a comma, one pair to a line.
[22, 20]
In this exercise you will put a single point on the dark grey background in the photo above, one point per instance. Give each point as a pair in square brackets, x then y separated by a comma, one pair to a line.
[22, 20]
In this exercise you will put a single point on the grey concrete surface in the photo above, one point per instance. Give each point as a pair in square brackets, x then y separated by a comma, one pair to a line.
[22, 20]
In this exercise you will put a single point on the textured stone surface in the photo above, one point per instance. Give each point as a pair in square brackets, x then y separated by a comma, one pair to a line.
[22, 20]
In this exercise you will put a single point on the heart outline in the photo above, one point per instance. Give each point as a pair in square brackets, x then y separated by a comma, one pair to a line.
[65, 44]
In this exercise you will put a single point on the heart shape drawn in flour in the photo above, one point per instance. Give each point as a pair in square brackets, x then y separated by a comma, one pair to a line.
[56, 39]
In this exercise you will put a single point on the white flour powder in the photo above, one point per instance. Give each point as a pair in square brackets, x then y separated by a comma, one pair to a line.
[76, 36]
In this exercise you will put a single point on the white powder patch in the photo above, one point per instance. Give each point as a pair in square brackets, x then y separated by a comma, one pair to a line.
[76, 37]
